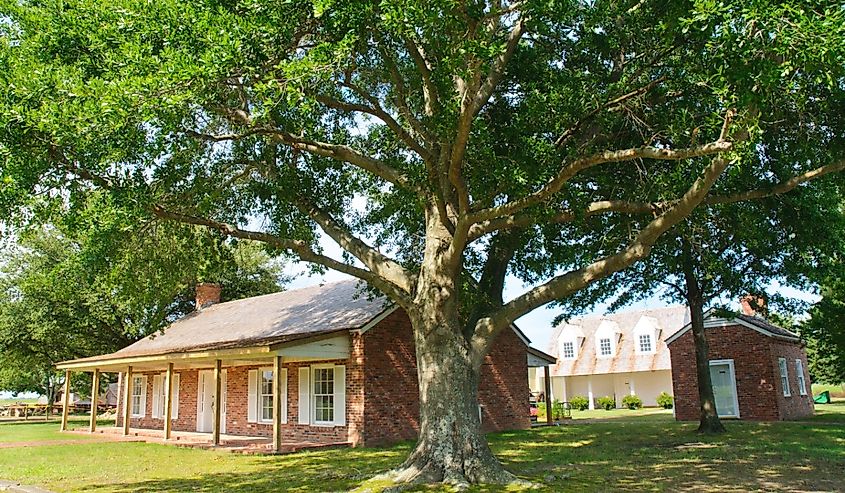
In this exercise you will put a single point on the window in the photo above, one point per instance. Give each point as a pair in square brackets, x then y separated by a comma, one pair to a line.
[605, 349]
[265, 397]
[645, 343]
[138, 398]
[568, 350]
[160, 396]
[799, 370]
[260, 403]
[784, 377]
[323, 385]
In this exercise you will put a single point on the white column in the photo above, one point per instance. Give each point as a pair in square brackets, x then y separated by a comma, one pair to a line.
[590, 392]
[565, 392]
[631, 380]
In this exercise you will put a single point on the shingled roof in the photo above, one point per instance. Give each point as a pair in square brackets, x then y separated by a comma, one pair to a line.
[264, 320]
[665, 320]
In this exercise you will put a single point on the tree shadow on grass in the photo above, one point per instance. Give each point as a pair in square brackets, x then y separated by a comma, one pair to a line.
[589, 457]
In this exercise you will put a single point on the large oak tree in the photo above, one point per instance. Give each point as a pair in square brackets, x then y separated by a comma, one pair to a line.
[555, 141]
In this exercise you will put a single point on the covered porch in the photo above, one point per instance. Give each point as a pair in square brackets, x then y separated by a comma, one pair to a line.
[203, 386]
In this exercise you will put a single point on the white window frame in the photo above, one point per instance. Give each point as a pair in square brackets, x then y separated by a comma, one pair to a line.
[313, 395]
[601, 353]
[784, 377]
[799, 371]
[142, 397]
[563, 351]
[260, 395]
[640, 344]
[160, 391]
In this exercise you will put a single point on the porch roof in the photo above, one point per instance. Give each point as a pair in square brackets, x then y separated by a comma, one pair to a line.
[253, 325]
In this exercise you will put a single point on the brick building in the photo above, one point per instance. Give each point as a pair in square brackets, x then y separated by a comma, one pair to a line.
[758, 370]
[325, 364]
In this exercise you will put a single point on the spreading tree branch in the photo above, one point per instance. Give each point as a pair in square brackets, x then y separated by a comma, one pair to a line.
[298, 247]
[565, 284]
[570, 170]
[375, 261]
[342, 153]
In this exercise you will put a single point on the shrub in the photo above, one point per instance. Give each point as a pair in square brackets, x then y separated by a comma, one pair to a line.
[665, 400]
[607, 403]
[557, 409]
[579, 402]
[632, 402]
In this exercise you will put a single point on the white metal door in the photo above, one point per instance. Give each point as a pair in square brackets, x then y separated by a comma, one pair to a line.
[205, 402]
[724, 388]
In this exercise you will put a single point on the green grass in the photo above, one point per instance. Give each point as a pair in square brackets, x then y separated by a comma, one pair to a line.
[642, 454]
[15, 400]
[835, 390]
[651, 414]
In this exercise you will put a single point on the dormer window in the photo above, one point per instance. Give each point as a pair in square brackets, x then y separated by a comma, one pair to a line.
[645, 343]
[607, 338]
[646, 335]
[568, 350]
[605, 347]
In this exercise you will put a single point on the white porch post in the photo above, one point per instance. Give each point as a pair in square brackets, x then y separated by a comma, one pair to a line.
[95, 390]
[127, 396]
[277, 403]
[590, 392]
[631, 380]
[563, 388]
[65, 401]
[218, 374]
[168, 401]
[119, 395]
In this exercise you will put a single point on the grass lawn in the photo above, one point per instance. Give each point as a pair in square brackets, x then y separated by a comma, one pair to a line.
[835, 390]
[15, 400]
[650, 453]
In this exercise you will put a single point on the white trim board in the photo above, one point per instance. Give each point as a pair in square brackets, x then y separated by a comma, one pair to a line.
[711, 322]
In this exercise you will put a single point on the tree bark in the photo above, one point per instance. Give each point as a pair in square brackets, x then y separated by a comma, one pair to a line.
[709, 421]
[451, 447]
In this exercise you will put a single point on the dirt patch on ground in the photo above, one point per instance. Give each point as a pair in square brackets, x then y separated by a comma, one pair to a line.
[38, 443]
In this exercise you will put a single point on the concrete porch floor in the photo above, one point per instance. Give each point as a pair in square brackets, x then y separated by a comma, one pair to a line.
[228, 443]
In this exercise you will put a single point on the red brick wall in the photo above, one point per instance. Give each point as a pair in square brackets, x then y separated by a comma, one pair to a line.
[796, 406]
[757, 378]
[381, 391]
[236, 407]
[391, 391]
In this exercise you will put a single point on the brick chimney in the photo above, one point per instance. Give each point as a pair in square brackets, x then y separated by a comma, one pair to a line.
[208, 293]
[753, 305]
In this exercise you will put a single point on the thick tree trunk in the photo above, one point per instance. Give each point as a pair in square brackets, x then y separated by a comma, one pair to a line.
[451, 447]
[708, 417]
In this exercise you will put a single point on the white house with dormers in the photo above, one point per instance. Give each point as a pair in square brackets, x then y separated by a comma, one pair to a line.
[613, 355]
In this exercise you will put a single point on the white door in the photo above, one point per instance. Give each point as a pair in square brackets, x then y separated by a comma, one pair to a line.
[205, 401]
[724, 387]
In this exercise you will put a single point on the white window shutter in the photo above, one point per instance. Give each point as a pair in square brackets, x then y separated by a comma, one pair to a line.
[340, 395]
[175, 410]
[252, 397]
[156, 396]
[143, 396]
[284, 393]
[304, 396]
